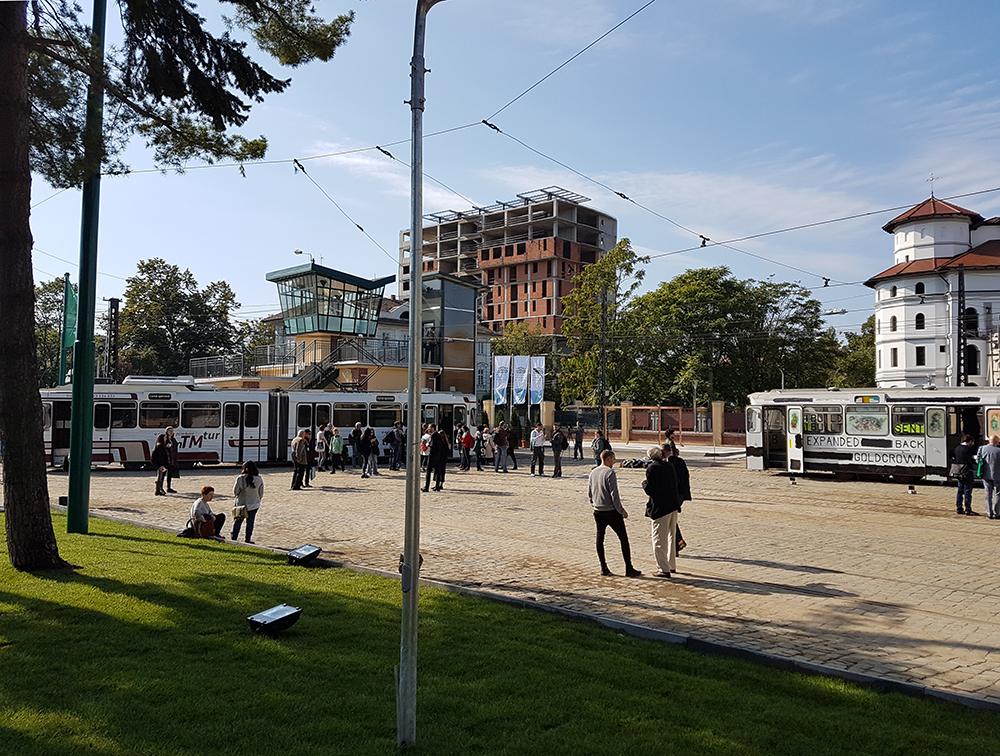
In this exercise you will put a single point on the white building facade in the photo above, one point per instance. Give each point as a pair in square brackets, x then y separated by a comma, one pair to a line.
[917, 301]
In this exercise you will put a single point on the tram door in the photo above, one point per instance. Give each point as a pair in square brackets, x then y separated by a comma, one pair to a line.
[102, 433]
[755, 439]
[241, 436]
[795, 445]
[936, 441]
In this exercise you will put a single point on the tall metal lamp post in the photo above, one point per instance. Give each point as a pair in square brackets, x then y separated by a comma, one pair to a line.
[409, 566]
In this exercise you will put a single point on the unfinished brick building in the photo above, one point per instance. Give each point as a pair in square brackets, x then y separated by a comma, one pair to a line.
[526, 251]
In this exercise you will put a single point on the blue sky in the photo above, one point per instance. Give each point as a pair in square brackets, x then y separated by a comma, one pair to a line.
[730, 117]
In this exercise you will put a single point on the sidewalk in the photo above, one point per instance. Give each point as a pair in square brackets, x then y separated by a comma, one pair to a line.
[857, 576]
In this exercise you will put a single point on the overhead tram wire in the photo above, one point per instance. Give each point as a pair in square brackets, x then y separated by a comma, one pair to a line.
[300, 167]
[571, 59]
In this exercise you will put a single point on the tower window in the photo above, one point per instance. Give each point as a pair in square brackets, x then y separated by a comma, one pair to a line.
[892, 324]
[892, 291]
[919, 288]
[921, 355]
[920, 321]
[894, 357]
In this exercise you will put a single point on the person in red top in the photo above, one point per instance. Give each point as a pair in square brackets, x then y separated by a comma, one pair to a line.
[468, 441]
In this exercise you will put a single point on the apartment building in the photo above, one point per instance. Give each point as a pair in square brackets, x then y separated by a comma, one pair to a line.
[525, 252]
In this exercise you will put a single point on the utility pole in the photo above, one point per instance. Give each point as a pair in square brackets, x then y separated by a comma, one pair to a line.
[111, 349]
[602, 395]
[82, 418]
[409, 561]
[962, 369]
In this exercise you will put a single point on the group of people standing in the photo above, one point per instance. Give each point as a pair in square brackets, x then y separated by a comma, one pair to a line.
[667, 487]
[965, 465]
[248, 492]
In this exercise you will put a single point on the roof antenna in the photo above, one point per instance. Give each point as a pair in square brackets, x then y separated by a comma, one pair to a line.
[932, 179]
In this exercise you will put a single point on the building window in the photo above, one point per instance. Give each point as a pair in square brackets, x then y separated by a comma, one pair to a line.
[892, 291]
[971, 360]
[880, 359]
[878, 326]
[920, 322]
[942, 349]
[921, 355]
[892, 324]
[894, 357]
[919, 288]
[971, 319]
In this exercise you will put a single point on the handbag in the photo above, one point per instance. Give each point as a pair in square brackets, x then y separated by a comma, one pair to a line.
[204, 528]
[957, 470]
[240, 511]
[979, 469]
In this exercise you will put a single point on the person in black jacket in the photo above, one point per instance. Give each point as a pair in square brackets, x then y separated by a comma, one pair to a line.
[965, 457]
[437, 457]
[159, 459]
[664, 503]
[673, 456]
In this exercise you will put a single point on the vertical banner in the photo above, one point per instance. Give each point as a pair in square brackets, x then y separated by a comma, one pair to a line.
[68, 336]
[537, 379]
[520, 384]
[501, 376]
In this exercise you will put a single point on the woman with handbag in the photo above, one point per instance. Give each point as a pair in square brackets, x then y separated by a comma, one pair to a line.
[205, 522]
[248, 490]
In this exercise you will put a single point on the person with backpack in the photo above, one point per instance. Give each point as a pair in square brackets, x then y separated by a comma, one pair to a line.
[598, 446]
[468, 442]
[559, 444]
[501, 439]
[478, 447]
[394, 438]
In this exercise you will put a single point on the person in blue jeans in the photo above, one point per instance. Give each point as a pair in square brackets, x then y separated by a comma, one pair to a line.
[248, 490]
[989, 455]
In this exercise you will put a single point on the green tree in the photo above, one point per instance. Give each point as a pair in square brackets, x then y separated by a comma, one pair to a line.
[170, 80]
[732, 337]
[521, 338]
[48, 329]
[856, 358]
[598, 318]
[250, 334]
[166, 319]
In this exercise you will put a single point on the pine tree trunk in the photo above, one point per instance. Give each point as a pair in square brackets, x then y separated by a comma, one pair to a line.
[31, 541]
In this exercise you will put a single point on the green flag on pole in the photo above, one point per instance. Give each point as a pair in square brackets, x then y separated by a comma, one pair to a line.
[68, 326]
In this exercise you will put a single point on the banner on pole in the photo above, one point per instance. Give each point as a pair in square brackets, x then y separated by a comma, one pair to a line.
[537, 379]
[69, 314]
[501, 376]
[520, 382]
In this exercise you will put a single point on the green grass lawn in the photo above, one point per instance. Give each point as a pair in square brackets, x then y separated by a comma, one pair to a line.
[146, 650]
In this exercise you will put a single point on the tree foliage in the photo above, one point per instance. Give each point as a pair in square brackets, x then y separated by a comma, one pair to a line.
[598, 314]
[48, 329]
[522, 338]
[856, 359]
[171, 81]
[166, 319]
[704, 327]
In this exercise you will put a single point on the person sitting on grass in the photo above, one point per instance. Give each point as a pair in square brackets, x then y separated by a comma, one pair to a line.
[202, 512]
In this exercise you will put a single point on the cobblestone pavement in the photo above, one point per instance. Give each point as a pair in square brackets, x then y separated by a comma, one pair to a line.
[859, 576]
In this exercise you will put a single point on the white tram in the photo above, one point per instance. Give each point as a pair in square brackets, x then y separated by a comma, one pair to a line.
[906, 433]
[214, 425]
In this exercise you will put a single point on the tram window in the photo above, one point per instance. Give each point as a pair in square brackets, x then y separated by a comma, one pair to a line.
[251, 416]
[322, 414]
[347, 415]
[47, 415]
[823, 419]
[935, 423]
[231, 417]
[384, 415]
[867, 420]
[992, 422]
[102, 416]
[159, 415]
[304, 416]
[908, 421]
[201, 414]
[460, 415]
[123, 414]
[753, 420]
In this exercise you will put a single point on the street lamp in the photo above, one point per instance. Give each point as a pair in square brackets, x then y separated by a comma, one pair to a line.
[409, 563]
[300, 252]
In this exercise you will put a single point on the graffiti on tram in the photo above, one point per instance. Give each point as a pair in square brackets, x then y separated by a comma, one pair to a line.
[904, 452]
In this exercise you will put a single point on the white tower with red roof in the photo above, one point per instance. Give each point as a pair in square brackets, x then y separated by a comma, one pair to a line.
[917, 318]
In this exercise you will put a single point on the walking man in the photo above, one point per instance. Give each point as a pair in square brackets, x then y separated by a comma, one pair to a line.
[559, 445]
[538, 442]
[300, 458]
[662, 508]
[578, 440]
[990, 456]
[609, 512]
